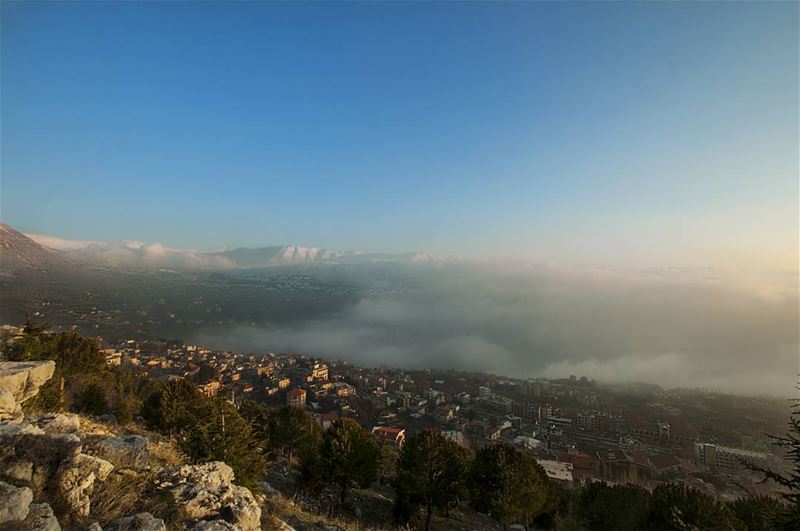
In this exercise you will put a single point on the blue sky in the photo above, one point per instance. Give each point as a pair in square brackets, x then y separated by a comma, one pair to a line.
[654, 134]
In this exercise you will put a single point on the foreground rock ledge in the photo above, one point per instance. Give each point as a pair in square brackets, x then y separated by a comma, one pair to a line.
[20, 381]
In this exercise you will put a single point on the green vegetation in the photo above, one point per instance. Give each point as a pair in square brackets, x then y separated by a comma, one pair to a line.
[431, 476]
[508, 484]
[347, 458]
[206, 429]
[431, 473]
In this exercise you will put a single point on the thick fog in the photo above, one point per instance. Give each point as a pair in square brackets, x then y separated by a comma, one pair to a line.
[724, 330]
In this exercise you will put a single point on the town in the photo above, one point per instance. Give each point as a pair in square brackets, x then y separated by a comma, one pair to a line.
[578, 430]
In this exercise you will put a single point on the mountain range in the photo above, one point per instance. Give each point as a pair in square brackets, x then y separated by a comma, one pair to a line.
[135, 254]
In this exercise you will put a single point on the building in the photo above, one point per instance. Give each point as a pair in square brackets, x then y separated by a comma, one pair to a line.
[715, 457]
[296, 398]
[395, 437]
[313, 371]
[211, 388]
[557, 471]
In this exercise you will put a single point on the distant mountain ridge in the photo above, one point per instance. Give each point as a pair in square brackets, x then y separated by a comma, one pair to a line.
[135, 254]
[297, 255]
[20, 253]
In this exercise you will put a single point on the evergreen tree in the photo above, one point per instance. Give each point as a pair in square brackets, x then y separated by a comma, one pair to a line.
[77, 359]
[292, 429]
[759, 513]
[215, 431]
[348, 457]
[93, 400]
[173, 407]
[387, 462]
[260, 418]
[508, 484]
[613, 508]
[677, 507]
[431, 473]
[790, 443]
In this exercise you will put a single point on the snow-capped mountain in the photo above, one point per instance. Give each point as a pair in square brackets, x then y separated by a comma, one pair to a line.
[136, 254]
[299, 255]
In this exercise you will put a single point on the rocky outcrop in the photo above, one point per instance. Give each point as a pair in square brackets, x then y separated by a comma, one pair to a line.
[15, 503]
[139, 522]
[206, 492]
[75, 481]
[20, 381]
[60, 423]
[52, 458]
[214, 525]
[40, 518]
[131, 451]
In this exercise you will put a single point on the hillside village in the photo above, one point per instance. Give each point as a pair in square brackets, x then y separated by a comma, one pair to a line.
[577, 430]
[62, 470]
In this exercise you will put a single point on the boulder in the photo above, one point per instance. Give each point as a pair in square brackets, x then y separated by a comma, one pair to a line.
[131, 451]
[14, 502]
[60, 423]
[41, 518]
[212, 473]
[139, 522]
[214, 525]
[200, 490]
[75, 481]
[8, 405]
[13, 429]
[17, 471]
[25, 442]
[206, 492]
[19, 382]
[242, 510]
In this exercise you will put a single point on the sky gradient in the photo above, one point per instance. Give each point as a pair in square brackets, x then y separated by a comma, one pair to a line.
[638, 133]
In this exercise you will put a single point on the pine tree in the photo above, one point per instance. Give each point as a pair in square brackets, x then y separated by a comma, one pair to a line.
[292, 429]
[432, 473]
[508, 484]
[215, 431]
[790, 480]
[348, 457]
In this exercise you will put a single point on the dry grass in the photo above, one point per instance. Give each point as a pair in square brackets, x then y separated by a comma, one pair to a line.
[124, 494]
[278, 507]
[164, 454]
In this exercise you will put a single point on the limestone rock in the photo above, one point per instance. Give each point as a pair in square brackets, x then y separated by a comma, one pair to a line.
[17, 471]
[41, 518]
[214, 525]
[25, 442]
[76, 479]
[19, 382]
[212, 473]
[280, 525]
[12, 429]
[14, 502]
[130, 451]
[243, 509]
[139, 522]
[60, 423]
[8, 405]
[206, 492]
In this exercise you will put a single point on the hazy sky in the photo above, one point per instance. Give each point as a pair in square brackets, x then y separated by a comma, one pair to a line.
[641, 133]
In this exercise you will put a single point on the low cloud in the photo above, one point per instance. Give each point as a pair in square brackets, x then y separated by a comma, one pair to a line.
[148, 255]
[730, 331]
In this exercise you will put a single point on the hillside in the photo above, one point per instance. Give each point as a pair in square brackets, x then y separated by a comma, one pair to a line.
[19, 254]
[73, 471]
[91, 445]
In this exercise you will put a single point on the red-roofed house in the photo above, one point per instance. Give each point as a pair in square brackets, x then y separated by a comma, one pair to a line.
[388, 434]
[296, 398]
